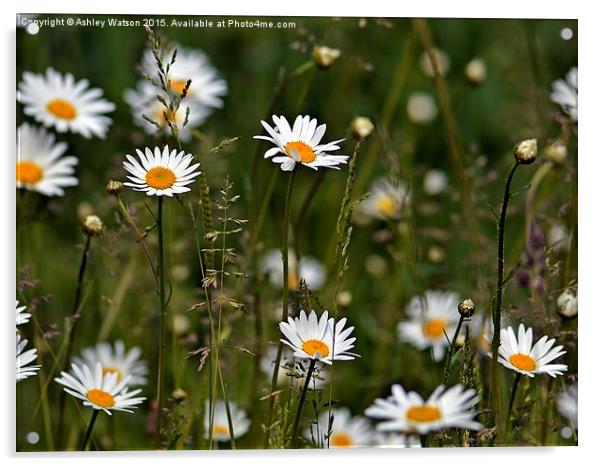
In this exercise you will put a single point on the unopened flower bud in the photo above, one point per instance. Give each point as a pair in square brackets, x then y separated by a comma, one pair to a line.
[466, 308]
[475, 71]
[361, 127]
[325, 56]
[525, 152]
[179, 395]
[567, 304]
[114, 187]
[92, 225]
[556, 152]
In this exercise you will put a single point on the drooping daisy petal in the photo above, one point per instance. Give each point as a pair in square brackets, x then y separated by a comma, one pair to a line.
[300, 144]
[41, 165]
[160, 173]
[59, 101]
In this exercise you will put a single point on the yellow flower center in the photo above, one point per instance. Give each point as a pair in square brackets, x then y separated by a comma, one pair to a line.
[160, 178]
[178, 85]
[112, 370]
[386, 206]
[220, 429]
[434, 328]
[313, 347]
[29, 172]
[293, 279]
[423, 414]
[61, 108]
[302, 150]
[523, 362]
[341, 440]
[101, 398]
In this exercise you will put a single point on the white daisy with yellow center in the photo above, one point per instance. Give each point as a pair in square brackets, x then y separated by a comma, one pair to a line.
[432, 319]
[59, 101]
[293, 371]
[564, 93]
[407, 412]
[321, 340]
[143, 101]
[22, 314]
[520, 355]
[161, 173]
[24, 358]
[347, 431]
[220, 426]
[41, 165]
[301, 144]
[206, 88]
[309, 269]
[386, 201]
[100, 390]
[115, 359]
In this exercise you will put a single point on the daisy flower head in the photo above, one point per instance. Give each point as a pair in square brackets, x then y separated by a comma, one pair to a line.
[520, 355]
[386, 201]
[564, 93]
[430, 318]
[22, 314]
[311, 338]
[24, 358]
[59, 101]
[407, 411]
[161, 173]
[98, 390]
[346, 431]
[115, 359]
[41, 163]
[293, 370]
[300, 144]
[567, 406]
[309, 269]
[143, 101]
[220, 427]
[206, 88]
[396, 440]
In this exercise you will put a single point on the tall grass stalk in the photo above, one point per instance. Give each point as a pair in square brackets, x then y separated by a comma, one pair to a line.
[284, 249]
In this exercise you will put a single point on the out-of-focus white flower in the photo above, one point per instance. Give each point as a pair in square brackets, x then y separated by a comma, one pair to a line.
[220, 426]
[435, 182]
[567, 406]
[567, 303]
[346, 431]
[558, 237]
[421, 108]
[308, 268]
[476, 71]
[441, 59]
[361, 127]
[564, 93]
[386, 200]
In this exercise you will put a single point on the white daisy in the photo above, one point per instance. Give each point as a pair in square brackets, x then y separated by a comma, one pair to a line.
[161, 173]
[98, 390]
[431, 317]
[22, 315]
[58, 101]
[308, 268]
[408, 412]
[523, 357]
[143, 101]
[441, 58]
[396, 440]
[301, 144]
[566, 404]
[24, 358]
[115, 359]
[313, 339]
[293, 370]
[206, 88]
[434, 182]
[386, 200]
[41, 165]
[564, 93]
[346, 431]
[221, 429]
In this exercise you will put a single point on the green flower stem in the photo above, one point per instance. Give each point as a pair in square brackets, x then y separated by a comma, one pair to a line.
[497, 309]
[450, 351]
[162, 319]
[89, 430]
[285, 228]
[310, 371]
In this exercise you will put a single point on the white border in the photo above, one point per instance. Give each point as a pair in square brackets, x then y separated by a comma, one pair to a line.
[590, 195]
